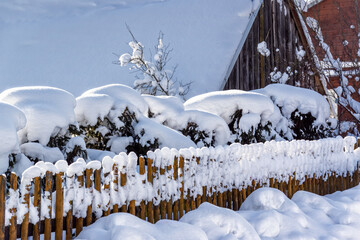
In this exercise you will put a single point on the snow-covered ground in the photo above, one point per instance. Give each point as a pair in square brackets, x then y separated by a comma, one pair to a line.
[70, 44]
[266, 214]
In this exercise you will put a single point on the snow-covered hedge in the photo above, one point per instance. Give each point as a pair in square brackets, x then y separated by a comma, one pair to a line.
[52, 125]
[114, 118]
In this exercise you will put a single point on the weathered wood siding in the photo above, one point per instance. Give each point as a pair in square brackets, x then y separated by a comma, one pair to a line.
[274, 24]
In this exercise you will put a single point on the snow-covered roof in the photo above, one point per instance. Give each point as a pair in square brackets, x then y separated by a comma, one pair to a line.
[70, 44]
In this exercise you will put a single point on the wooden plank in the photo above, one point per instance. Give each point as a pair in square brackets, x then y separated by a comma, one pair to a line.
[116, 184]
[2, 205]
[37, 205]
[97, 185]
[80, 220]
[107, 192]
[176, 178]
[69, 215]
[181, 177]
[169, 203]
[142, 173]
[48, 195]
[59, 206]
[25, 222]
[13, 223]
[89, 185]
[150, 209]
[123, 183]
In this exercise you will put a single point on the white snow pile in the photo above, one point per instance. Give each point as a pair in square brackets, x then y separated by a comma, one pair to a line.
[290, 98]
[49, 111]
[12, 120]
[170, 111]
[111, 102]
[256, 108]
[263, 50]
[266, 214]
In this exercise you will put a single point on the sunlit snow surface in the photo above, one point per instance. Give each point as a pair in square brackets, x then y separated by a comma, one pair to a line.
[266, 214]
[70, 44]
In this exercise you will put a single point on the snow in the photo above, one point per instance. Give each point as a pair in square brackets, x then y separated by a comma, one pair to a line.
[290, 98]
[48, 111]
[170, 112]
[225, 104]
[75, 40]
[266, 214]
[167, 137]
[109, 100]
[263, 50]
[41, 153]
[12, 119]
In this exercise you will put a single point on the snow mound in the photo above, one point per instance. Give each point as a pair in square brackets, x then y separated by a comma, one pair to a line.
[109, 100]
[128, 227]
[48, 111]
[290, 98]
[170, 112]
[167, 137]
[12, 120]
[226, 103]
[265, 214]
[220, 223]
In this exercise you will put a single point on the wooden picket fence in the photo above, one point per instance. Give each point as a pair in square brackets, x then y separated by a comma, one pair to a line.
[147, 210]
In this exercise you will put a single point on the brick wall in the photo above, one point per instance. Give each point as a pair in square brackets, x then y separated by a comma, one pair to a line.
[339, 21]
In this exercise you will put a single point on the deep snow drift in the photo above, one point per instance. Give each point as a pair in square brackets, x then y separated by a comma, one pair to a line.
[266, 214]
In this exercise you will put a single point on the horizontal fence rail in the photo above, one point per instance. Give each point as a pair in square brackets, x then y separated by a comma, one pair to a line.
[168, 183]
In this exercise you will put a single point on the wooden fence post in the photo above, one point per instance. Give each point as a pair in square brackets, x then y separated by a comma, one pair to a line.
[169, 203]
[13, 223]
[89, 184]
[97, 185]
[150, 207]
[80, 220]
[2, 206]
[123, 183]
[25, 223]
[69, 215]
[162, 202]
[176, 178]
[181, 177]
[59, 206]
[48, 195]
[37, 203]
[116, 184]
[142, 173]
[290, 193]
[107, 192]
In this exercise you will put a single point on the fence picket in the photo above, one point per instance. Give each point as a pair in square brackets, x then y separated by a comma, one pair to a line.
[97, 186]
[150, 207]
[176, 178]
[59, 206]
[142, 173]
[25, 223]
[48, 195]
[37, 205]
[181, 177]
[12, 227]
[80, 220]
[89, 184]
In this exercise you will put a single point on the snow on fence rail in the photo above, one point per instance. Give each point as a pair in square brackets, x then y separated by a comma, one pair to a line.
[168, 183]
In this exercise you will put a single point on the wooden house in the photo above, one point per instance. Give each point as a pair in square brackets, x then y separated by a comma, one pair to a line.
[278, 24]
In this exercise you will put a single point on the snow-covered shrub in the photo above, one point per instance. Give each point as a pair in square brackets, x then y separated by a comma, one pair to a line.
[307, 111]
[248, 115]
[157, 78]
[50, 116]
[11, 121]
[203, 128]
[114, 118]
